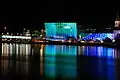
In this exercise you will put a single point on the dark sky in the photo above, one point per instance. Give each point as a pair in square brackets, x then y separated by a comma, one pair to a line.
[16, 15]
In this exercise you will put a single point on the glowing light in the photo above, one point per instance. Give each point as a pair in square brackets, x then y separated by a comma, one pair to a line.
[117, 23]
[69, 41]
[102, 42]
[5, 28]
[82, 41]
[113, 40]
[41, 51]
[98, 36]
[2, 48]
[63, 41]
[19, 37]
[67, 27]
[17, 51]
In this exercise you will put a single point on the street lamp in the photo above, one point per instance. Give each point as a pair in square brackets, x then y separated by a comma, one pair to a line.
[7, 33]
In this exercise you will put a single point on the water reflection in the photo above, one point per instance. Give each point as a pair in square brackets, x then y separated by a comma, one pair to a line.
[98, 62]
[14, 59]
[98, 51]
[60, 61]
[36, 61]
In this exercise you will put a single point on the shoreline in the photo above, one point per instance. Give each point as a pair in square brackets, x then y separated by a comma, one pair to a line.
[113, 45]
[109, 45]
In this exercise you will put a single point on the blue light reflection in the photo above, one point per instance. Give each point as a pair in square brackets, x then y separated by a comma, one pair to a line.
[60, 60]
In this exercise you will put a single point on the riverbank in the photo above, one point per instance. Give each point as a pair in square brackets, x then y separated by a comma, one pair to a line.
[58, 43]
[112, 45]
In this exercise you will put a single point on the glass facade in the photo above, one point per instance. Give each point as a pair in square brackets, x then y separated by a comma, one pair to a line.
[61, 30]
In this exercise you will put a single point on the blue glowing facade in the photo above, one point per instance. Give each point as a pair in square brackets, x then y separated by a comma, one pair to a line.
[99, 36]
[61, 30]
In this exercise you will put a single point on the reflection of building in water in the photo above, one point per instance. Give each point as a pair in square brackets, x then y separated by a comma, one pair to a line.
[50, 50]
[49, 60]
[97, 51]
[5, 49]
[9, 50]
[4, 65]
[22, 68]
[64, 66]
[38, 50]
[50, 66]
[60, 50]
[41, 59]
[66, 50]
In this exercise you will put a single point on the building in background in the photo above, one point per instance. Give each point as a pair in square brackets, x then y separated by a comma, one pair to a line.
[61, 30]
[117, 22]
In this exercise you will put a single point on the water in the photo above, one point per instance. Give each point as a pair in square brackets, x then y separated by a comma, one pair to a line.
[53, 62]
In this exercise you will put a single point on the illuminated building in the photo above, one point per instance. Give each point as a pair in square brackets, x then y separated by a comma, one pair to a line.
[98, 36]
[117, 22]
[61, 30]
[117, 25]
[107, 32]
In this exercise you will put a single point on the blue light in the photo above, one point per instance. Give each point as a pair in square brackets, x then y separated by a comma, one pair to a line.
[60, 64]
[99, 36]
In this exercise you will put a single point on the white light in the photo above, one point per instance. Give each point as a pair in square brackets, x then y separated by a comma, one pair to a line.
[63, 41]
[69, 41]
[113, 40]
[101, 41]
[82, 41]
[20, 37]
[5, 28]
[67, 27]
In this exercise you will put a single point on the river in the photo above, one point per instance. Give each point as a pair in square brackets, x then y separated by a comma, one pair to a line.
[63, 62]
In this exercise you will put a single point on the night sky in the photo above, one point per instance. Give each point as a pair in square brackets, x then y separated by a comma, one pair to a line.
[16, 15]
